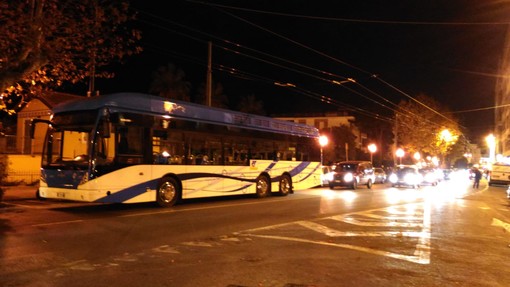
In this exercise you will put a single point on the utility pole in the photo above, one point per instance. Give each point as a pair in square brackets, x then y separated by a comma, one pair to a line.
[208, 82]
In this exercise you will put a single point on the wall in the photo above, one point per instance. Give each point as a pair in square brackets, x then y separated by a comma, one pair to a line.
[19, 169]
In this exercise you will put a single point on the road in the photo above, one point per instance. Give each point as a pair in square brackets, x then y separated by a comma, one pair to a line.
[448, 235]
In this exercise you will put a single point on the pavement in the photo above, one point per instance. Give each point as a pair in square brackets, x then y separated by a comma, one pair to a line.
[18, 192]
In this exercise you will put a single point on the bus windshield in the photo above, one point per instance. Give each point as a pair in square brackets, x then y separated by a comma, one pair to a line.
[70, 141]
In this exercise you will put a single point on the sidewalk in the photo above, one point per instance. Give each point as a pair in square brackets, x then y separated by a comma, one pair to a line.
[19, 192]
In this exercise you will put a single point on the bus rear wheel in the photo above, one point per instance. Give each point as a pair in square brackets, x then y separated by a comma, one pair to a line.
[285, 185]
[263, 186]
[168, 192]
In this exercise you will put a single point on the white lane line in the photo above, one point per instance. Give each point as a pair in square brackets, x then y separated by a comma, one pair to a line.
[336, 233]
[57, 223]
[415, 212]
[388, 223]
[497, 222]
[416, 259]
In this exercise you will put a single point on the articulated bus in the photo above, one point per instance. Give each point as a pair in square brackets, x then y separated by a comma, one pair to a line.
[132, 147]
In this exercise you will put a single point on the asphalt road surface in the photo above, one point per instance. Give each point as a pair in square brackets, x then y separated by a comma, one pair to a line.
[447, 235]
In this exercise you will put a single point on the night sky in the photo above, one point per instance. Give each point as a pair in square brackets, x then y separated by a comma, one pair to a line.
[448, 50]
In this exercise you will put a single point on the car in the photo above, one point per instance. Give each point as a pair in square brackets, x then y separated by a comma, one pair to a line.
[406, 175]
[352, 174]
[326, 175]
[447, 173]
[380, 175]
[429, 176]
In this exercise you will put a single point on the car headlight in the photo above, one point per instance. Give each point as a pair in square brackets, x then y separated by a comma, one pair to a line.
[348, 177]
[393, 178]
[429, 177]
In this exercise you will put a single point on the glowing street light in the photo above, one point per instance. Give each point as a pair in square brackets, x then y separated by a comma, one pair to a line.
[323, 141]
[372, 148]
[400, 153]
[491, 143]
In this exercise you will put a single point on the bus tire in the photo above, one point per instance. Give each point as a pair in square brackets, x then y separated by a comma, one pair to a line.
[168, 192]
[285, 186]
[263, 186]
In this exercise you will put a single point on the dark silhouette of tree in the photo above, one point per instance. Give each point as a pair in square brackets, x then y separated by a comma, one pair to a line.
[380, 133]
[250, 104]
[341, 145]
[218, 97]
[170, 82]
[46, 43]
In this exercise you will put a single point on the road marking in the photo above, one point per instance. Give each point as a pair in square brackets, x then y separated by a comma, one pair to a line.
[406, 216]
[57, 223]
[497, 222]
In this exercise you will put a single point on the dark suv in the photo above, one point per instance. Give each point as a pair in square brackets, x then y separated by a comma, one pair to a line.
[352, 173]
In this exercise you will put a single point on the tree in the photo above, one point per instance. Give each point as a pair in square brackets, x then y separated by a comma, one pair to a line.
[420, 126]
[218, 97]
[46, 43]
[341, 146]
[250, 104]
[170, 82]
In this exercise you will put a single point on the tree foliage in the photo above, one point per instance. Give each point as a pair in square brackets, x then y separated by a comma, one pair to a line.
[341, 146]
[250, 104]
[170, 82]
[218, 97]
[46, 43]
[420, 126]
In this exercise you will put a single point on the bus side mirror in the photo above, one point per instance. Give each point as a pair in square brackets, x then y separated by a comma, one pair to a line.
[106, 128]
[33, 122]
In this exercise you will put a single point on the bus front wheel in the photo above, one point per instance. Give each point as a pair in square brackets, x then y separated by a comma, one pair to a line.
[285, 185]
[263, 186]
[168, 192]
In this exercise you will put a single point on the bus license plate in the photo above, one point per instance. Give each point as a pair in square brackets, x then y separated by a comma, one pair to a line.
[61, 195]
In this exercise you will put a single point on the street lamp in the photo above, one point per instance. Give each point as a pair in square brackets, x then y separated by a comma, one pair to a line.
[491, 142]
[323, 141]
[400, 153]
[372, 148]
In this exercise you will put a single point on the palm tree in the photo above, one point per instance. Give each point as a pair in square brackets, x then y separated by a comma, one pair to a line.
[218, 97]
[170, 82]
[249, 104]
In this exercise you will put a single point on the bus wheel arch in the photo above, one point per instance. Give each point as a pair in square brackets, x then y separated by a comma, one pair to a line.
[263, 185]
[169, 191]
[285, 184]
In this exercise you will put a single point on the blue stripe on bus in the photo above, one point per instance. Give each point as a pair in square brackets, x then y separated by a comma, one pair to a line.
[133, 191]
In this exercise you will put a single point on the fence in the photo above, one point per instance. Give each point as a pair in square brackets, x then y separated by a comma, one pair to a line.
[18, 169]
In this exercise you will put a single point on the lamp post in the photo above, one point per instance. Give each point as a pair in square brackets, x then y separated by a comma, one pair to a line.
[372, 148]
[400, 153]
[491, 143]
[323, 141]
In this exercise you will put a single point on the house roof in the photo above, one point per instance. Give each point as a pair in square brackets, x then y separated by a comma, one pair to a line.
[52, 99]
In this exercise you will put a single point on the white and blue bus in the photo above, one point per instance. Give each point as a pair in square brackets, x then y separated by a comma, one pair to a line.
[131, 147]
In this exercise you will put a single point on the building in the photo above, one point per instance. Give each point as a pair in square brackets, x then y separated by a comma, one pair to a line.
[20, 154]
[330, 120]
[502, 102]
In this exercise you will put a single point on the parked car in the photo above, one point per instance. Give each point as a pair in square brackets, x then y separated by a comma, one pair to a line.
[326, 175]
[430, 176]
[380, 175]
[352, 174]
[406, 175]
